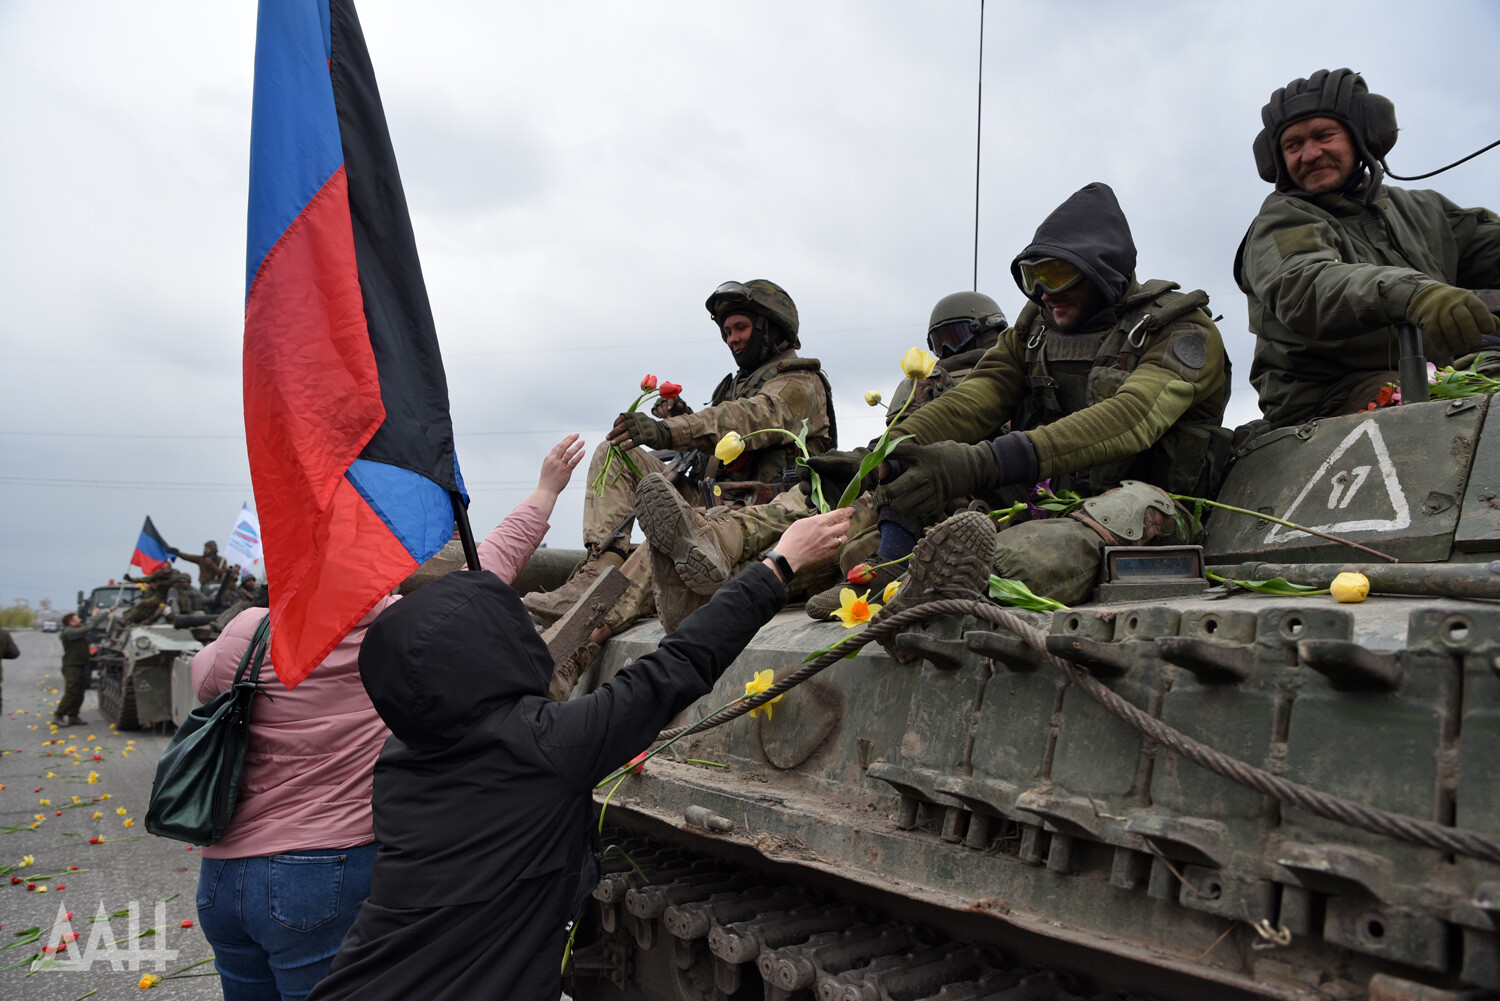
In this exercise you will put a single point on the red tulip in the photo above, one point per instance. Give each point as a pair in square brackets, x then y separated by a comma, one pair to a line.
[186, 923]
[670, 391]
[648, 383]
[14, 880]
[637, 763]
[62, 886]
[861, 574]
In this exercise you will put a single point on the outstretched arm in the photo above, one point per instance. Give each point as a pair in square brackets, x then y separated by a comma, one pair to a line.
[506, 549]
[587, 738]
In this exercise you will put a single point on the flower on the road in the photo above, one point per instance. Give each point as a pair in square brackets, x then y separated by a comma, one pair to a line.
[149, 981]
[120, 810]
[97, 815]
[129, 821]
[26, 860]
[93, 778]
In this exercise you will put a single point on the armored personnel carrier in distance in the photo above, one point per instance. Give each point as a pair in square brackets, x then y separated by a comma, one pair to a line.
[975, 825]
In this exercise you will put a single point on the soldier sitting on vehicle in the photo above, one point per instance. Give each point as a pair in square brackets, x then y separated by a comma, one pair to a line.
[1106, 383]
[703, 551]
[153, 601]
[772, 387]
[1336, 259]
[183, 598]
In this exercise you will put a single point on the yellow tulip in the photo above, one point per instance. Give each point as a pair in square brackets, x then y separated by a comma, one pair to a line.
[918, 364]
[873, 398]
[1349, 587]
[854, 609]
[730, 447]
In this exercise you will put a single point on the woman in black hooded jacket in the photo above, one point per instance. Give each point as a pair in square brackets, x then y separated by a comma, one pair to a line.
[483, 794]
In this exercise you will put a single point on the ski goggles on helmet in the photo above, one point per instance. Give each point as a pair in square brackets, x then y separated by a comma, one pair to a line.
[1051, 273]
[950, 336]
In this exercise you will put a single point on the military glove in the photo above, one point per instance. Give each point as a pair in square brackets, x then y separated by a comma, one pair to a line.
[641, 429]
[1454, 318]
[835, 469]
[936, 474]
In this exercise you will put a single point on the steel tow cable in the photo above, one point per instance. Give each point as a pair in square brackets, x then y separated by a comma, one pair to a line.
[1425, 833]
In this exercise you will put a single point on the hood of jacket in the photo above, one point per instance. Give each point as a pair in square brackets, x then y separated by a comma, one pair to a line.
[1089, 231]
[439, 661]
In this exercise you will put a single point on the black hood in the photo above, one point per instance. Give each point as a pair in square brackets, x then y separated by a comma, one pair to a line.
[439, 661]
[1090, 231]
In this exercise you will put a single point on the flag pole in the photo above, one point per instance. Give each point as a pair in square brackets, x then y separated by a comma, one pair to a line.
[465, 533]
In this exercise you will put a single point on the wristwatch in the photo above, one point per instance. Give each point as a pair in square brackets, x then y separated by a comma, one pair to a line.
[783, 566]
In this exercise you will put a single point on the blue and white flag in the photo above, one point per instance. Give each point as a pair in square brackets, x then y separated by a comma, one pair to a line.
[244, 542]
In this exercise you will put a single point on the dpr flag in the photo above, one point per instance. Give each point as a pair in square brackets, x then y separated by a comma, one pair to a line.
[346, 403]
[244, 547]
[150, 550]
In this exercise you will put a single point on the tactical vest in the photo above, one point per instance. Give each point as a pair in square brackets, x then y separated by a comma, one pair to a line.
[1068, 372]
[770, 462]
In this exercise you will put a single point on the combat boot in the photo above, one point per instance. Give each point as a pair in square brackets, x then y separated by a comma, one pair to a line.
[675, 601]
[703, 550]
[951, 561]
[549, 606]
[565, 676]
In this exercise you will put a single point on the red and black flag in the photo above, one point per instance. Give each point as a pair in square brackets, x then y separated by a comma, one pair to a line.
[151, 550]
[346, 403]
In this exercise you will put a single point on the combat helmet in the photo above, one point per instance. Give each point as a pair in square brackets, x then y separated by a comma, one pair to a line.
[760, 298]
[1338, 94]
[961, 319]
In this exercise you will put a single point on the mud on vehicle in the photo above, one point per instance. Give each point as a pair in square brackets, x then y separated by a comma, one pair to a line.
[978, 824]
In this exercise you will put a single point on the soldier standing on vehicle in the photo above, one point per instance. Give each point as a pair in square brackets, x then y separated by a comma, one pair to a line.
[75, 662]
[211, 566]
[772, 387]
[1336, 259]
[1110, 387]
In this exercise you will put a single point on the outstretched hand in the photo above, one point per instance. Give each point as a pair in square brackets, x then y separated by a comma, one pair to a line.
[815, 538]
[559, 463]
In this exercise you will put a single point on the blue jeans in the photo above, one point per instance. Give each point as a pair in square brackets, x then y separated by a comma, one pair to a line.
[276, 921]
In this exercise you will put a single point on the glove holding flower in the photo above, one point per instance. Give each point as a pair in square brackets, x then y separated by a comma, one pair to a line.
[636, 428]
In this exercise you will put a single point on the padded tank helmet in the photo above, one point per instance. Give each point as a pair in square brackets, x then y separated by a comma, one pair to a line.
[759, 298]
[1338, 94]
[961, 319]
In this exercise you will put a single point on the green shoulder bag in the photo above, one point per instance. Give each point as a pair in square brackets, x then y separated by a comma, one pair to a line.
[198, 776]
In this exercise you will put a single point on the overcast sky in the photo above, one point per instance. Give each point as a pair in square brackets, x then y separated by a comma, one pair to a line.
[581, 175]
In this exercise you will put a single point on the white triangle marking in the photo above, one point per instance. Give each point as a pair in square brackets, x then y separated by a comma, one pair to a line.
[1345, 484]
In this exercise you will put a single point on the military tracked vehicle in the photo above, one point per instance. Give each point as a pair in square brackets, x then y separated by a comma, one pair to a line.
[974, 825]
[143, 676]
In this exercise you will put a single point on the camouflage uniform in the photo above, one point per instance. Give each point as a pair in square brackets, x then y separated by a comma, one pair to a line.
[781, 391]
[153, 601]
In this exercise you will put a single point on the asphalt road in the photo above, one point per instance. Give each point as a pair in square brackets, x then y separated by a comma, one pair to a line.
[40, 819]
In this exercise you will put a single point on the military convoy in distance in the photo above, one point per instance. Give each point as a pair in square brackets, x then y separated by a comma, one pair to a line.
[973, 825]
[142, 671]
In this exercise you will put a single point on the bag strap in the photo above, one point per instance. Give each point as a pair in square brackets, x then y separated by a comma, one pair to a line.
[255, 653]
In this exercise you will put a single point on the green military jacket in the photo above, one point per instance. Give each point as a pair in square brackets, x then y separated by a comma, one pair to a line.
[75, 640]
[782, 393]
[1153, 411]
[1327, 277]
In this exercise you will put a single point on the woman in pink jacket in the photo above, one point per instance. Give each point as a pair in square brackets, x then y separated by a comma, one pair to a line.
[277, 893]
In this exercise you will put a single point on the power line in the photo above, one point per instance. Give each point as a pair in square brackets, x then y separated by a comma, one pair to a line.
[580, 349]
